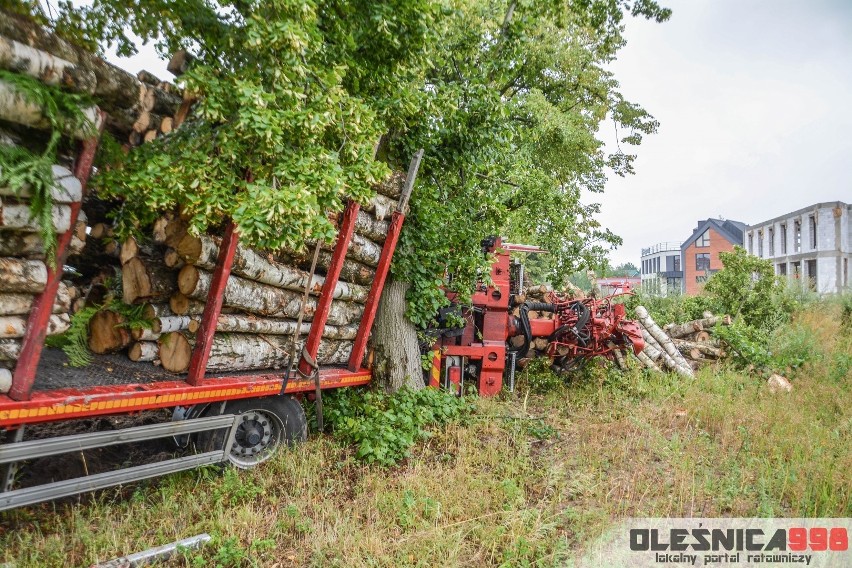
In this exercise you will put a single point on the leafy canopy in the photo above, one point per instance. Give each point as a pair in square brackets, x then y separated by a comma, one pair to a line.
[506, 97]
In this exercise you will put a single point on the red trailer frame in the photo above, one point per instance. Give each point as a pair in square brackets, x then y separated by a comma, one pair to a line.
[22, 406]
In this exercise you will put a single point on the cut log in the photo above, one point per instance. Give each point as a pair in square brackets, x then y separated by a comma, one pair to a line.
[651, 348]
[144, 351]
[149, 136]
[364, 251]
[352, 271]
[22, 304]
[180, 62]
[643, 357]
[161, 102]
[107, 333]
[173, 260]
[262, 299]
[147, 280]
[368, 226]
[681, 366]
[10, 349]
[392, 186]
[65, 189]
[100, 231]
[619, 356]
[180, 305]
[16, 108]
[143, 334]
[701, 336]
[241, 352]
[18, 275]
[168, 324]
[17, 216]
[203, 252]
[382, 207]
[151, 311]
[702, 350]
[16, 326]
[131, 249]
[166, 125]
[676, 331]
[238, 323]
[5, 380]
[148, 78]
[49, 69]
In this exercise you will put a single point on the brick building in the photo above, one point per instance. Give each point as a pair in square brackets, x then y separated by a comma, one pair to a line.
[700, 252]
[813, 244]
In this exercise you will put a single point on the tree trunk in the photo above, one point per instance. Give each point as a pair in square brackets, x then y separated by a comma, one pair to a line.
[107, 333]
[17, 275]
[147, 279]
[12, 327]
[65, 189]
[17, 216]
[203, 252]
[647, 361]
[664, 340]
[262, 299]
[396, 354]
[242, 352]
[144, 351]
[180, 305]
[381, 206]
[168, 324]
[364, 251]
[22, 304]
[678, 330]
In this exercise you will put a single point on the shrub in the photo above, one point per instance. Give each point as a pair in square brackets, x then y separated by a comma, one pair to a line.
[384, 426]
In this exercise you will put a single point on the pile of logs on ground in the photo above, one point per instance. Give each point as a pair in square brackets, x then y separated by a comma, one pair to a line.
[680, 347]
[171, 275]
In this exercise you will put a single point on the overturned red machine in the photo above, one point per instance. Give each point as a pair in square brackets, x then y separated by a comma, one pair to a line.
[480, 352]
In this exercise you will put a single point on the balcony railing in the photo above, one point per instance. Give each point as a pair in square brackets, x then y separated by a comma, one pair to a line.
[660, 247]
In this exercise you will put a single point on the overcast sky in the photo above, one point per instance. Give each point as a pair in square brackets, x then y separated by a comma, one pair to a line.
[754, 100]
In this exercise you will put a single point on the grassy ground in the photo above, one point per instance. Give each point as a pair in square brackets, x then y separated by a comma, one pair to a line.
[526, 480]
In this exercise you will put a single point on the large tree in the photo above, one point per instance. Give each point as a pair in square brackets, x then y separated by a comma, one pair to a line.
[506, 97]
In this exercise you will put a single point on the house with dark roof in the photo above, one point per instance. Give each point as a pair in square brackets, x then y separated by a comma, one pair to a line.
[700, 252]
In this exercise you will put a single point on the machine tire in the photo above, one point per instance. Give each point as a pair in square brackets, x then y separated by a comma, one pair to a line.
[268, 423]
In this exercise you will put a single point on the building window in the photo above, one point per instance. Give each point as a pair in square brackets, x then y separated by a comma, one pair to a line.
[797, 269]
[760, 244]
[812, 227]
[771, 234]
[812, 274]
[701, 279]
[677, 263]
[782, 269]
[783, 238]
[797, 240]
[751, 243]
[704, 239]
[702, 262]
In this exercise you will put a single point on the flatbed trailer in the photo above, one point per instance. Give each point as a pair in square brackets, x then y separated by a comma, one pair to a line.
[259, 403]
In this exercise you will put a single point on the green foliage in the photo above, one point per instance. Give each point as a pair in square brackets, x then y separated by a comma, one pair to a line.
[75, 340]
[747, 287]
[673, 308]
[20, 168]
[747, 345]
[538, 377]
[384, 426]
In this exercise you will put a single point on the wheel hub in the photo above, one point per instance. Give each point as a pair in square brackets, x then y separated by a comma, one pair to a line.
[255, 434]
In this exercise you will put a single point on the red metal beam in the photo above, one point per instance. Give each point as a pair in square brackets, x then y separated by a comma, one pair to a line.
[375, 294]
[68, 404]
[33, 342]
[213, 307]
[344, 237]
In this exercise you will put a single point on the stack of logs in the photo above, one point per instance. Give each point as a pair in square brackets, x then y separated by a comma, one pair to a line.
[679, 347]
[23, 272]
[172, 274]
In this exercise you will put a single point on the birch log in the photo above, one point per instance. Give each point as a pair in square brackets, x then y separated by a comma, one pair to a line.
[364, 251]
[143, 351]
[681, 366]
[10, 349]
[619, 356]
[676, 331]
[5, 380]
[15, 107]
[168, 324]
[240, 352]
[18, 275]
[144, 334]
[151, 311]
[22, 304]
[381, 206]
[180, 305]
[50, 70]
[650, 349]
[690, 347]
[262, 299]
[107, 333]
[204, 251]
[17, 216]
[661, 354]
[239, 323]
[147, 279]
[647, 361]
[12, 327]
[392, 186]
[370, 227]
[65, 189]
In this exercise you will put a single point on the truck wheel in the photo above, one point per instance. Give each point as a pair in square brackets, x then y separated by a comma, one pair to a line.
[264, 425]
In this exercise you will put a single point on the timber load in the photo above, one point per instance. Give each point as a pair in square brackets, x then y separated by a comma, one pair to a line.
[144, 297]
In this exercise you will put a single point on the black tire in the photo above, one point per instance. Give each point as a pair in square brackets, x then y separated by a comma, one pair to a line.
[268, 423]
